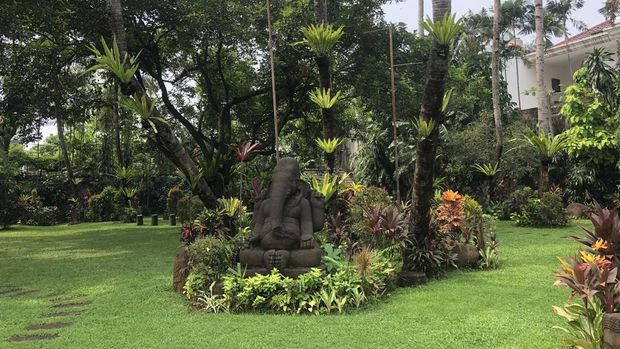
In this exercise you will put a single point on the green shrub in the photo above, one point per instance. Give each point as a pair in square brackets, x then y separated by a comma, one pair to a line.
[172, 202]
[189, 207]
[349, 285]
[103, 206]
[546, 211]
[516, 202]
[211, 257]
[33, 212]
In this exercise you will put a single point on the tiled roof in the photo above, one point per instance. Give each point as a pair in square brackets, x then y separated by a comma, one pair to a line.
[597, 29]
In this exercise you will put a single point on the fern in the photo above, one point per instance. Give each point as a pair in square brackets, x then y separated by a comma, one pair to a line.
[323, 98]
[111, 61]
[320, 39]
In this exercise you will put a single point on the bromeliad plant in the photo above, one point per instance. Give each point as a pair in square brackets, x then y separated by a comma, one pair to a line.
[328, 145]
[323, 98]
[110, 59]
[320, 39]
[445, 30]
[330, 185]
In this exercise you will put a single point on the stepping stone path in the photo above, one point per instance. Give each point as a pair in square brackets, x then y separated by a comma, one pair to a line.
[60, 301]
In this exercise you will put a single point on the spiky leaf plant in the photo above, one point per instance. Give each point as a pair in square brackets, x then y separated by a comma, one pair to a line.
[323, 98]
[328, 145]
[122, 67]
[424, 127]
[445, 30]
[488, 170]
[320, 39]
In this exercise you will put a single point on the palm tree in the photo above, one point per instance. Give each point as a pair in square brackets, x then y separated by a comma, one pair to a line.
[497, 112]
[444, 30]
[325, 81]
[544, 118]
[562, 10]
[547, 148]
[420, 17]
[610, 10]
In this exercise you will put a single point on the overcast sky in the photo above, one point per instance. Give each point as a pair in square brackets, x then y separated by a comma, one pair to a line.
[407, 11]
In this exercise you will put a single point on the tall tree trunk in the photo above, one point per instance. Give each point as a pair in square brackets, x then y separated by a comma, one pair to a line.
[420, 17]
[162, 136]
[426, 149]
[60, 128]
[497, 112]
[570, 63]
[544, 118]
[116, 124]
[325, 82]
[543, 177]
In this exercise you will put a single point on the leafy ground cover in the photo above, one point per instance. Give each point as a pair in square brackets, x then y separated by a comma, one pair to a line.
[126, 272]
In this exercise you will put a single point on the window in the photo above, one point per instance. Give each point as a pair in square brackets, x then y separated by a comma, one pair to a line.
[555, 85]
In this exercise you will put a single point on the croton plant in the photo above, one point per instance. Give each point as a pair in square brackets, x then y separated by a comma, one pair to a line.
[594, 272]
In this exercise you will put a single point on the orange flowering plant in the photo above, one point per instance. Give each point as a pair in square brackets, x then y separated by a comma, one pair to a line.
[450, 215]
[595, 271]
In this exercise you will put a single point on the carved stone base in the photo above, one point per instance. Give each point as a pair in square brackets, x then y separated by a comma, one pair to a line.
[411, 278]
[611, 331]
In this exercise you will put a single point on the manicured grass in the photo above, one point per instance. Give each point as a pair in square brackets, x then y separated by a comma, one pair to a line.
[126, 270]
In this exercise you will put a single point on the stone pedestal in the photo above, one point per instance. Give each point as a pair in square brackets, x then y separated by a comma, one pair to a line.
[289, 272]
[611, 331]
[154, 219]
[139, 219]
[467, 255]
[173, 219]
[411, 278]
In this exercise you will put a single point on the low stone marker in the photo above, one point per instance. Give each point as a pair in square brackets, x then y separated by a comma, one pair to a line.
[154, 219]
[140, 219]
[173, 219]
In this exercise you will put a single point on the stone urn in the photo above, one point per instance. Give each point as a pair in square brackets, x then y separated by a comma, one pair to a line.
[611, 331]
[466, 255]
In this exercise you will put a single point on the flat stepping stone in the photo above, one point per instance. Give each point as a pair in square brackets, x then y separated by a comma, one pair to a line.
[61, 298]
[49, 326]
[63, 314]
[34, 337]
[72, 304]
[11, 290]
[23, 293]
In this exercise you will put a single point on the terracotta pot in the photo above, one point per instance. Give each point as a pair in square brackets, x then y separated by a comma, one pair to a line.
[467, 255]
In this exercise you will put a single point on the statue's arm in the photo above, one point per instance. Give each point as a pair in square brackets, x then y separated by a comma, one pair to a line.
[307, 238]
[258, 219]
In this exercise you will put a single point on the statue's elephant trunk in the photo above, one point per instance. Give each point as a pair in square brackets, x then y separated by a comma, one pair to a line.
[279, 193]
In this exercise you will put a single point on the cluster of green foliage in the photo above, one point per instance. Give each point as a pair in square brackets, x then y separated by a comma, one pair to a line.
[528, 208]
[368, 276]
[8, 188]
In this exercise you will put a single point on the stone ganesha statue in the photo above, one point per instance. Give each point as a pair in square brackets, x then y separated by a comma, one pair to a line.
[284, 222]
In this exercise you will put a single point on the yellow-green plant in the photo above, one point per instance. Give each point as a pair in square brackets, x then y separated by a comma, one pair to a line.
[192, 181]
[112, 61]
[321, 38]
[323, 98]
[329, 185]
[585, 324]
[444, 30]
[140, 106]
[129, 193]
[424, 127]
[232, 207]
[328, 145]
[488, 170]
[545, 146]
[446, 100]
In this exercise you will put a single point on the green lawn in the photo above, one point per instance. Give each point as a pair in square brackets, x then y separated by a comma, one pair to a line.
[126, 271]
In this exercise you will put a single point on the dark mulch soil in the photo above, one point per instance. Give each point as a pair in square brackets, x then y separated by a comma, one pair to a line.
[61, 298]
[10, 290]
[23, 293]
